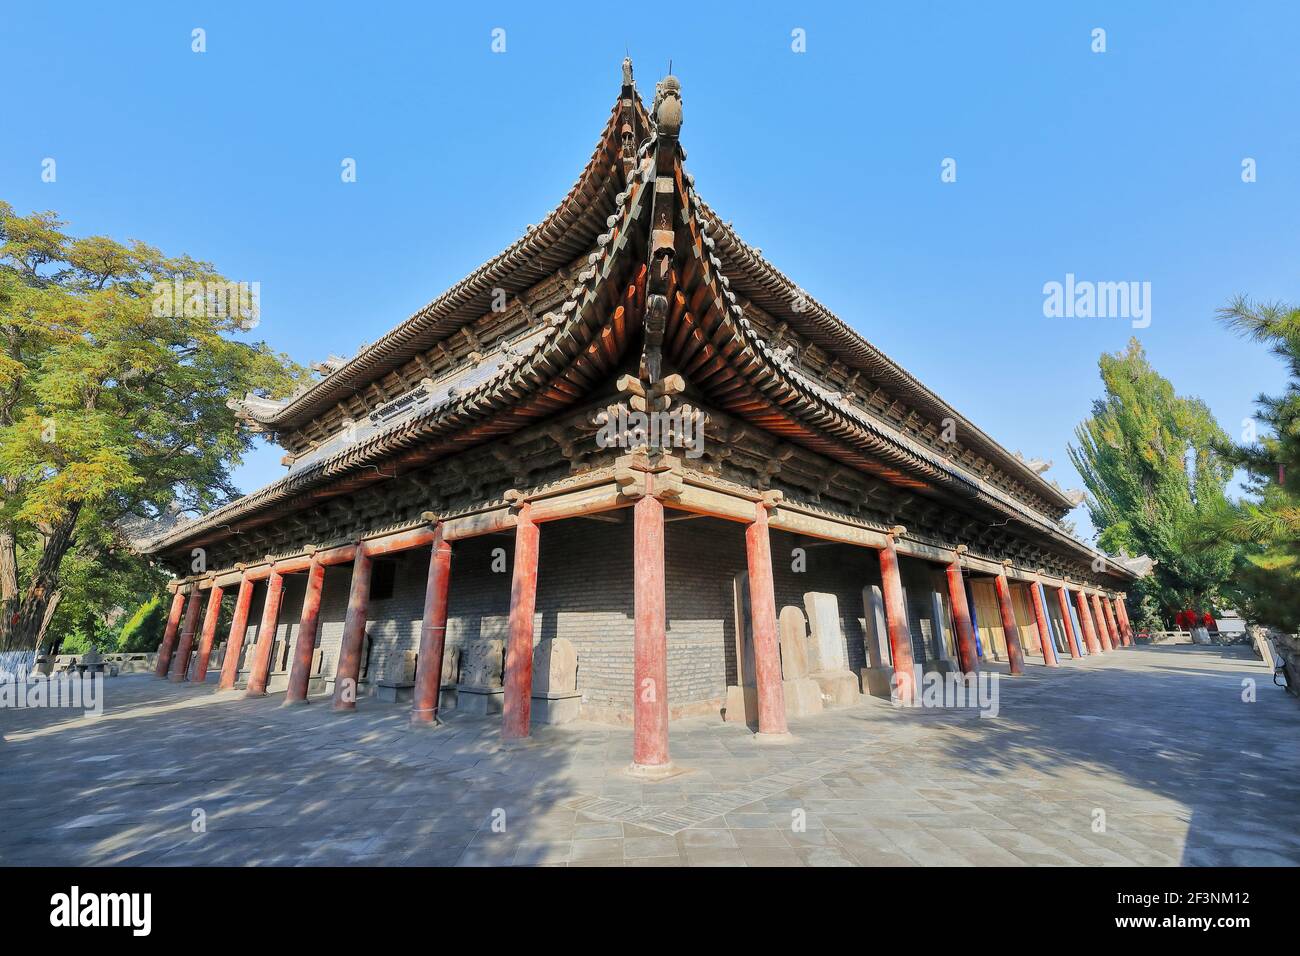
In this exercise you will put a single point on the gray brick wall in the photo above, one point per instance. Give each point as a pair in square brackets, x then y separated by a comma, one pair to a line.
[838, 569]
[584, 594]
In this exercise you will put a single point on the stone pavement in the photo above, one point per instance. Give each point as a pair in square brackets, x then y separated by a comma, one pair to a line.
[1154, 742]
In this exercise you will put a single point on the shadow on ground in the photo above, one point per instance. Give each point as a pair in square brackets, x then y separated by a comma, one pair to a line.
[1156, 738]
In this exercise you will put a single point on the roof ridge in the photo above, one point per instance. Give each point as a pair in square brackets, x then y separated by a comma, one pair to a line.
[857, 339]
[975, 488]
[360, 368]
[561, 324]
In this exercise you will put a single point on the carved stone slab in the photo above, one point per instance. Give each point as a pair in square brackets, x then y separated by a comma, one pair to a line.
[481, 664]
[794, 643]
[827, 648]
[402, 667]
[450, 665]
[555, 667]
[875, 627]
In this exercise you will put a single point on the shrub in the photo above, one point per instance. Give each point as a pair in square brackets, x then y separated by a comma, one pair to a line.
[143, 631]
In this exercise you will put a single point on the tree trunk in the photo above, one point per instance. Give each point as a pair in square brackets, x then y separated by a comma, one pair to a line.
[50, 608]
[44, 585]
[8, 587]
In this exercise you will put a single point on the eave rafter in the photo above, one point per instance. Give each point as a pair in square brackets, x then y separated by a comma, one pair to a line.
[715, 347]
[581, 345]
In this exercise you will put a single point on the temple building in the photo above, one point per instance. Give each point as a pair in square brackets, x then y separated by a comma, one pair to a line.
[627, 470]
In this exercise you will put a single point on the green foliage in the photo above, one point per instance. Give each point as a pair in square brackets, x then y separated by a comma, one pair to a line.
[1267, 522]
[1146, 615]
[1152, 464]
[113, 406]
[143, 630]
[82, 637]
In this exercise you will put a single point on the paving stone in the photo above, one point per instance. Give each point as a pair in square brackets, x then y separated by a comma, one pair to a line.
[871, 785]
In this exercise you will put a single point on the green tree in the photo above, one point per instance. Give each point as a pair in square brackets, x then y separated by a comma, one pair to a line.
[1267, 521]
[1151, 462]
[112, 401]
[143, 630]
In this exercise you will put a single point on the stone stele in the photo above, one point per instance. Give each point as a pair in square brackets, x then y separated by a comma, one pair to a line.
[555, 667]
[481, 664]
[803, 695]
[829, 659]
[794, 643]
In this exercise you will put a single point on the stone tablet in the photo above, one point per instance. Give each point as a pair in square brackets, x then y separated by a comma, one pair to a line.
[828, 652]
[481, 664]
[450, 665]
[403, 667]
[794, 643]
[875, 626]
[555, 667]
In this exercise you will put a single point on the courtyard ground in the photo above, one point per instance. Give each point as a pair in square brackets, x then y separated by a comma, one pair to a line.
[1145, 756]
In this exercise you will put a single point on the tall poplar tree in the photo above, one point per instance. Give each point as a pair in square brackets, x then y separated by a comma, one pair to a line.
[1153, 466]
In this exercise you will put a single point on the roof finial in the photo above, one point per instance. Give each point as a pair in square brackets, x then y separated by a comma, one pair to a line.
[668, 106]
[627, 71]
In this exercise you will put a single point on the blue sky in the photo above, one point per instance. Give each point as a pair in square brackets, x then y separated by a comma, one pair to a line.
[1115, 166]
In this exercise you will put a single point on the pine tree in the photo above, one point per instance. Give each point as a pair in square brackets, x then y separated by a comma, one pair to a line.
[1267, 522]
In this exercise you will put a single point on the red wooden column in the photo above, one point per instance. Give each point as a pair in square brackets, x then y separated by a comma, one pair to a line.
[1085, 621]
[433, 634]
[1100, 620]
[261, 668]
[1120, 619]
[1110, 622]
[1122, 606]
[209, 632]
[1069, 624]
[1044, 632]
[762, 617]
[180, 663]
[900, 640]
[238, 628]
[348, 670]
[517, 706]
[169, 635]
[1113, 617]
[969, 659]
[300, 672]
[1015, 653]
[650, 640]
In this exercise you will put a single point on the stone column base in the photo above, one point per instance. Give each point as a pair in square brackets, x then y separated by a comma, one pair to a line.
[480, 701]
[839, 688]
[803, 696]
[878, 681]
[741, 702]
[556, 708]
[654, 772]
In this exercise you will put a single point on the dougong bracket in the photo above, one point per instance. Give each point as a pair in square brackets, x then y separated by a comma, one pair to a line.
[668, 123]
